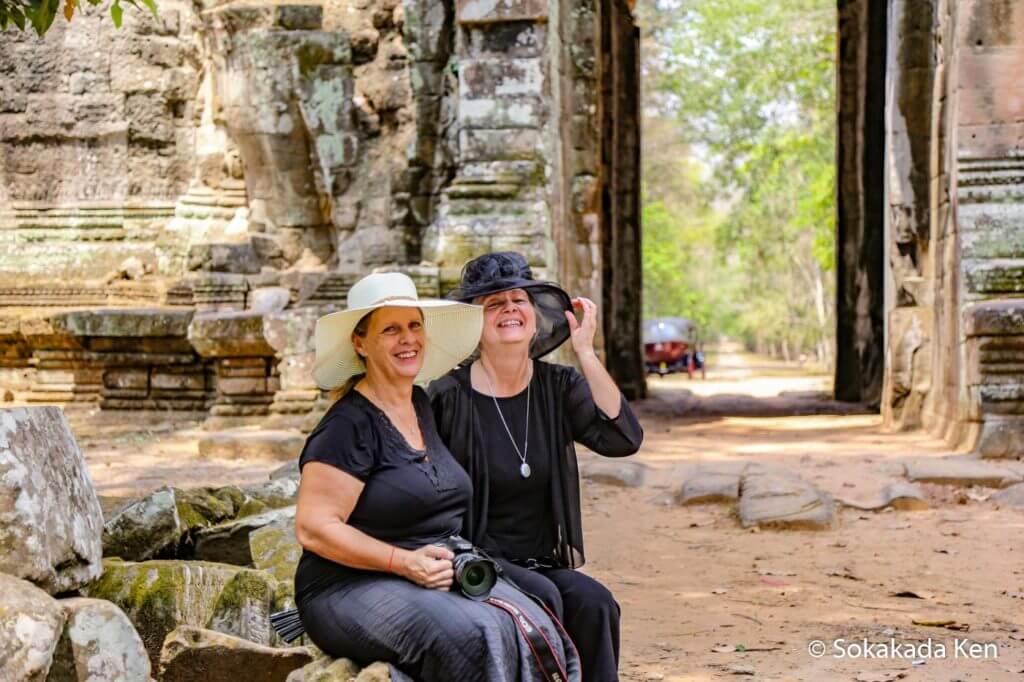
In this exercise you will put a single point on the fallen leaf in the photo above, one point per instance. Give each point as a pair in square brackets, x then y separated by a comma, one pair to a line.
[948, 624]
[719, 590]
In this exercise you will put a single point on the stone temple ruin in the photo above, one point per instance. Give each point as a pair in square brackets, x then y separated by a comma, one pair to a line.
[181, 199]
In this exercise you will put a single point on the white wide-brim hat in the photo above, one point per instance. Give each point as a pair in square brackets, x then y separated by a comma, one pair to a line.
[452, 329]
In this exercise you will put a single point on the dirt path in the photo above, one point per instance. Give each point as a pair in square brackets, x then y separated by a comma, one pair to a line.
[692, 583]
[694, 586]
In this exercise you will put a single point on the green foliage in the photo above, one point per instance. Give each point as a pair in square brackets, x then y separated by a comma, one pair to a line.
[748, 86]
[39, 14]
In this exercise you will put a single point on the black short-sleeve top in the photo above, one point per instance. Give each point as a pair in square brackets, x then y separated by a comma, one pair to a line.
[410, 497]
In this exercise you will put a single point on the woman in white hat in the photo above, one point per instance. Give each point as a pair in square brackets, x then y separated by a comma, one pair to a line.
[379, 492]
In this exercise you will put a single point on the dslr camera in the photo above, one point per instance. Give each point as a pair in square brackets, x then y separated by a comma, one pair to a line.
[475, 573]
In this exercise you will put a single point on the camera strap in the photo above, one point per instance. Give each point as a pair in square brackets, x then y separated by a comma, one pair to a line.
[540, 646]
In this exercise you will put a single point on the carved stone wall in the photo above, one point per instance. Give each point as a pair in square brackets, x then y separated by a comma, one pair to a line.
[955, 356]
[96, 144]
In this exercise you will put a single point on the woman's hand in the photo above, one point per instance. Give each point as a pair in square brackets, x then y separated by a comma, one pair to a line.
[582, 332]
[429, 566]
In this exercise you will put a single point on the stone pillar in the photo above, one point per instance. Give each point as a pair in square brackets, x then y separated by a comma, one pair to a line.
[498, 200]
[912, 135]
[622, 267]
[860, 209]
[990, 219]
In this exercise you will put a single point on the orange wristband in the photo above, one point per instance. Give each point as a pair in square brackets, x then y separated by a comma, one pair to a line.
[391, 558]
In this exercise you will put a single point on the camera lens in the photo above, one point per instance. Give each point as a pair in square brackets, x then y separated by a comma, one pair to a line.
[476, 578]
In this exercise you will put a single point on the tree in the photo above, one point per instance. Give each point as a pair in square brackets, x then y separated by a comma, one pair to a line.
[749, 87]
[39, 14]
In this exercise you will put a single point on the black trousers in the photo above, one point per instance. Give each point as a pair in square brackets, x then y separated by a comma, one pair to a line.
[586, 608]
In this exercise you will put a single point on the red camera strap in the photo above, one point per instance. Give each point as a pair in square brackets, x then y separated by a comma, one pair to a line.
[540, 646]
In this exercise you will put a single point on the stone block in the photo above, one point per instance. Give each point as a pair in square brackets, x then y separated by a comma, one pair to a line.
[523, 112]
[229, 334]
[191, 654]
[489, 11]
[896, 495]
[500, 78]
[504, 144]
[619, 473]
[960, 471]
[784, 501]
[241, 385]
[132, 379]
[123, 322]
[267, 300]
[987, 24]
[252, 445]
[158, 596]
[154, 525]
[510, 39]
[993, 141]
[239, 258]
[50, 518]
[707, 487]
[275, 549]
[995, 318]
[31, 623]
[99, 644]
[1001, 437]
[178, 381]
[982, 106]
[228, 543]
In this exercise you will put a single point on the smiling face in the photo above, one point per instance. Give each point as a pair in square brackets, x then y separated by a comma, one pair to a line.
[509, 320]
[394, 343]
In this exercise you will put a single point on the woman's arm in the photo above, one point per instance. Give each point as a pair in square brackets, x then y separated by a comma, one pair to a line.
[327, 496]
[606, 394]
[612, 437]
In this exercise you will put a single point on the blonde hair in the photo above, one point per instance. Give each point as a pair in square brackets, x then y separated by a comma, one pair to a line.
[362, 326]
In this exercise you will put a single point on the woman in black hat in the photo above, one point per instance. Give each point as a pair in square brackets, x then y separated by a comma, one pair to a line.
[512, 421]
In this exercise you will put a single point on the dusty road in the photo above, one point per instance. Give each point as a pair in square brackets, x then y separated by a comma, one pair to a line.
[704, 599]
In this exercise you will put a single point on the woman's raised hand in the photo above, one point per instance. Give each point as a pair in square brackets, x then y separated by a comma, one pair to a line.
[582, 332]
[429, 566]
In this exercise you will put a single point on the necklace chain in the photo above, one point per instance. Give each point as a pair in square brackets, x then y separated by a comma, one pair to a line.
[526, 437]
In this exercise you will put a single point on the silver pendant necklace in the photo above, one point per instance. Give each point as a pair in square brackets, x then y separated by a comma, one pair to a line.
[524, 468]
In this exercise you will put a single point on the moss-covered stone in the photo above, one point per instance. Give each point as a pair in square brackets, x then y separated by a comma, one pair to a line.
[193, 654]
[275, 549]
[158, 596]
[244, 606]
[154, 525]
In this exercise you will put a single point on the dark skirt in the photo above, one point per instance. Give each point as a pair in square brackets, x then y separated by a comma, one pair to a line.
[430, 635]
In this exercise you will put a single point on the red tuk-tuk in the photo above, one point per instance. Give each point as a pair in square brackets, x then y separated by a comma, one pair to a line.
[670, 345]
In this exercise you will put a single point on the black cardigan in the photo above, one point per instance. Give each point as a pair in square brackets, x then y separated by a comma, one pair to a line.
[562, 393]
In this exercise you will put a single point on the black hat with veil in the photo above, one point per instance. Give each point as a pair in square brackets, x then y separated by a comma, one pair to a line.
[492, 273]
